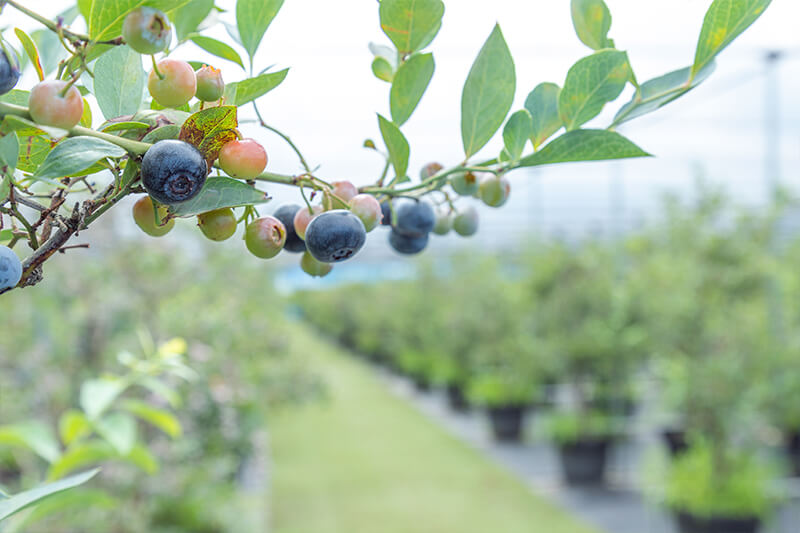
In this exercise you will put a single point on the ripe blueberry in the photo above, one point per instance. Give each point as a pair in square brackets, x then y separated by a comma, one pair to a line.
[217, 225]
[9, 69]
[464, 183]
[265, 237]
[386, 209]
[431, 169]
[314, 268]
[286, 214]
[414, 218]
[367, 208]
[466, 221]
[10, 268]
[48, 107]
[173, 171]
[210, 85]
[406, 244]
[144, 216]
[303, 218]
[494, 191]
[177, 86]
[147, 30]
[335, 236]
[243, 159]
[444, 222]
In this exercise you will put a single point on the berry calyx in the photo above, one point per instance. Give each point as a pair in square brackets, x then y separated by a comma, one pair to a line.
[48, 107]
[314, 268]
[210, 85]
[494, 191]
[335, 236]
[465, 222]
[177, 83]
[368, 209]
[243, 158]
[265, 237]
[464, 183]
[218, 225]
[286, 214]
[145, 217]
[173, 171]
[9, 69]
[147, 30]
[303, 218]
[10, 268]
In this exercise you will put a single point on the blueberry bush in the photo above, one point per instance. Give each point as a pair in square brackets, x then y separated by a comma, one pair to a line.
[173, 133]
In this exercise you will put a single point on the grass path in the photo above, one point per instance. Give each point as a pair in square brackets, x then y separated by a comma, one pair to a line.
[364, 461]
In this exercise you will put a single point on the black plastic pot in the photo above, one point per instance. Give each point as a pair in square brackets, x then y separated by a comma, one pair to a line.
[456, 399]
[792, 446]
[676, 441]
[688, 523]
[584, 462]
[507, 422]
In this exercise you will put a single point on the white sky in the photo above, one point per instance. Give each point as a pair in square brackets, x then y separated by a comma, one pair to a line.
[328, 101]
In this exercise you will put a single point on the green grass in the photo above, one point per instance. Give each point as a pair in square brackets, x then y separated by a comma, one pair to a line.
[364, 461]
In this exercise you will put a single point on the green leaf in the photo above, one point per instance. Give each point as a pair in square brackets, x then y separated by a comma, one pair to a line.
[397, 145]
[217, 48]
[30, 49]
[115, 98]
[542, 104]
[168, 131]
[34, 144]
[410, 83]
[189, 17]
[219, 192]
[9, 153]
[382, 69]
[584, 145]
[16, 97]
[210, 129]
[488, 93]
[592, 20]
[67, 501]
[73, 155]
[517, 132]
[141, 457]
[98, 394]
[591, 83]
[386, 52]
[119, 430]
[86, 116]
[658, 92]
[20, 501]
[242, 92]
[130, 173]
[5, 190]
[161, 389]
[164, 420]
[725, 20]
[411, 24]
[81, 455]
[253, 17]
[73, 425]
[106, 16]
[34, 435]
[124, 126]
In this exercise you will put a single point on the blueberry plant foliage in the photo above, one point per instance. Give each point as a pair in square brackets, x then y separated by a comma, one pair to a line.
[173, 133]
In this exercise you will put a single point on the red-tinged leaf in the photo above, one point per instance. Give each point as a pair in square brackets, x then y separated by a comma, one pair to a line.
[210, 129]
[30, 49]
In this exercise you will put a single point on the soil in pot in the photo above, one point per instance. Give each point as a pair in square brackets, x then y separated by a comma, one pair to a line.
[793, 452]
[456, 399]
[689, 523]
[583, 463]
[676, 441]
[507, 422]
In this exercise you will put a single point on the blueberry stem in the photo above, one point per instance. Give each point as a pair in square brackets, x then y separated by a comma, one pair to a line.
[284, 137]
[155, 68]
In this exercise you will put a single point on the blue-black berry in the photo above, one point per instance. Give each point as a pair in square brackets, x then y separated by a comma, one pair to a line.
[173, 171]
[285, 214]
[414, 219]
[406, 244]
[334, 236]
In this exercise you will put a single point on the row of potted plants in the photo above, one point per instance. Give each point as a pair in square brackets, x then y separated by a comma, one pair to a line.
[700, 303]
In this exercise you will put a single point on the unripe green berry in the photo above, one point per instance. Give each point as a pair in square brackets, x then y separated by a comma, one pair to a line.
[494, 191]
[431, 169]
[210, 85]
[444, 222]
[265, 237]
[147, 30]
[217, 225]
[144, 216]
[464, 183]
[314, 268]
[465, 222]
[176, 86]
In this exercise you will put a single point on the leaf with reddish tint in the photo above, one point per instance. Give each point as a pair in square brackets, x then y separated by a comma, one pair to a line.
[210, 129]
